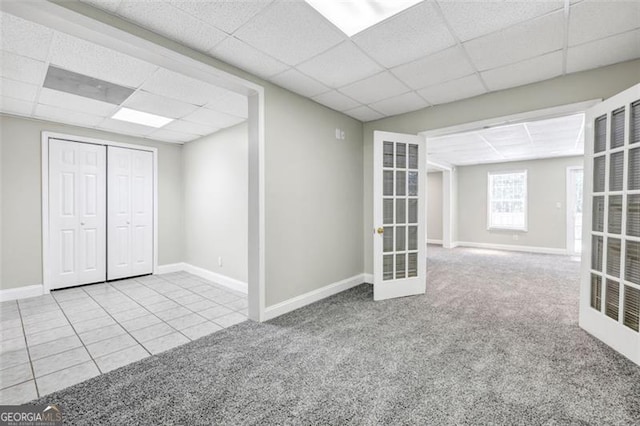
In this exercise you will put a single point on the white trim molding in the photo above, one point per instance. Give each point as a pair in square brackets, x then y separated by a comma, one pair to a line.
[314, 296]
[21, 292]
[509, 247]
[432, 241]
[223, 280]
[171, 267]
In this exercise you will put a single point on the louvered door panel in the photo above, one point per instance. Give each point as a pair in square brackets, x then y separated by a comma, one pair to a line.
[617, 128]
[632, 262]
[615, 214]
[631, 308]
[600, 135]
[598, 213]
[613, 257]
[634, 127]
[616, 171]
[633, 215]
[612, 298]
[634, 169]
[596, 291]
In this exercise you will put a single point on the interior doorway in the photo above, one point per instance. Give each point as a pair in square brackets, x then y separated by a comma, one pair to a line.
[574, 210]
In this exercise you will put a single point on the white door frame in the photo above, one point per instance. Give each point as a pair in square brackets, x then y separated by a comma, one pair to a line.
[46, 234]
[82, 20]
[570, 193]
[448, 196]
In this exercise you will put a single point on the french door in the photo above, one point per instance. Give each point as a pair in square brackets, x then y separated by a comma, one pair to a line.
[399, 193]
[610, 284]
[574, 210]
[77, 213]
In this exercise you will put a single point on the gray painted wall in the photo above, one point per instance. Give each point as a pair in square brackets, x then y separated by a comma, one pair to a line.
[21, 170]
[216, 202]
[434, 206]
[599, 83]
[546, 186]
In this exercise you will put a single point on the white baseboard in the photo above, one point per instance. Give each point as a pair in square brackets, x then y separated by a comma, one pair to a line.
[312, 296]
[21, 292]
[368, 278]
[232, 283]
[429, 241]
[509, 247]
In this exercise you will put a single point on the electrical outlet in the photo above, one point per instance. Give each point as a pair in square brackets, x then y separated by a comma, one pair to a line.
[220, 261]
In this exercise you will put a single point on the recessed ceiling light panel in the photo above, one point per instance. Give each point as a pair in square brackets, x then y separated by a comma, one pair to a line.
[139, 117]
[353, 16]
[85, 86]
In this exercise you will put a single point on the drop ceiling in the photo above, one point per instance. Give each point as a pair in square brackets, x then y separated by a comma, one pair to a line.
[29, 49]
[553, 137]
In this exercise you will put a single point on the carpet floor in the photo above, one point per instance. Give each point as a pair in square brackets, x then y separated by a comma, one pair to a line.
[495, 340]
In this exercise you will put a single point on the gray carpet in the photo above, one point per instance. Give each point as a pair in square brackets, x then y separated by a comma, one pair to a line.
[494, 341]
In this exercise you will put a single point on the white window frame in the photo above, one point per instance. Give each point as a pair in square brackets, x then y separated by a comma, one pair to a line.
[524, 228]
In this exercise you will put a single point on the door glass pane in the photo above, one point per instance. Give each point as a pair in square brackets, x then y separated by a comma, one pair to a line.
[401, 265]
[387, 154]
[412, 267]
[596, 253]
[387, 183]
[413, 156]
[617, 128]
[598, 174]
[632, 262]
[616, 168]
[631, 314]
[401, 210]
[612, 297]
[413, 211]
[387, 239]
[634, 169]
[413, 183]
[401, 238]
[634, 136]
[600, 134]
[633, 215]
[413, 238]
[387, 267]
[598, 213]
[615, 214]
[401, 183]
[387, 210]
[401, 155]
[596, 291]
[613, 257]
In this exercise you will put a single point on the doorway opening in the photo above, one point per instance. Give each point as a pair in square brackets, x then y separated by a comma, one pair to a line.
[574, 210]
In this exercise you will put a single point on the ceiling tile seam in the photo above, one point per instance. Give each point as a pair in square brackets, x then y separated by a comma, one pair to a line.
[309, 77]
[604, 38]
[461, 46]
[47, 62]
[197, 18]
[522, 60]
[210, 53]
[526, 129]
[565, 40]
[490, 145]
[580, 132]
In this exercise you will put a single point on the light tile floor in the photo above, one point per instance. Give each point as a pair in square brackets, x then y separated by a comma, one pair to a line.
[53, 341]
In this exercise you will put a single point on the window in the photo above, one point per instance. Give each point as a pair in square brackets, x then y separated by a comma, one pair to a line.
[508, 200]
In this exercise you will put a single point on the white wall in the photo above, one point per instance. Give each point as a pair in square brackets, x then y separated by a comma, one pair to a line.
[598, 83]
[434, 206]
[21, 170]
[546, 187]
[216, 202]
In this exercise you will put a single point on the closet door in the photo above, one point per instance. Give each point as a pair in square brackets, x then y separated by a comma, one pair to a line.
[130, 213]
[77, 213]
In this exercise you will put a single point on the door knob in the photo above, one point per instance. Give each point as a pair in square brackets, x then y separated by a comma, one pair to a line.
[380, 230]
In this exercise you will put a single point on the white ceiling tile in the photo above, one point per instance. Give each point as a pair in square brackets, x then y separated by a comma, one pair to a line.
[364, 114]
[24, 37]
[56, 114]
[471, 19]
[506, 136]
[591, 20]
[15, 106]
[618, 48]
[537, 69]
[180, 87]
[18, 90]
[21, 68]
[172, 136]
[336, 100]
[126, 127]
[90, 59]
[443, 66]
[190, 127]
[400, 104]
[523, 41]
[290, 32]
[213, 118]
[171, 22]
[108, 5]
[299, 83]
[248, 58]
[55, 98]
[375, 88]
[225, 15]
[544, 132]
[414, 33]
[231, 103]
[462, 88]
[340, 65]
[159, 105]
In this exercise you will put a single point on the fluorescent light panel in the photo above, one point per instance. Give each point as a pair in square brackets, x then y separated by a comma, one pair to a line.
[139, 117]
[353, 16]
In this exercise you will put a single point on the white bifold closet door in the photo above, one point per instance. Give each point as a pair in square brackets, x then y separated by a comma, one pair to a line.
[130, 212]
[77, 213]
